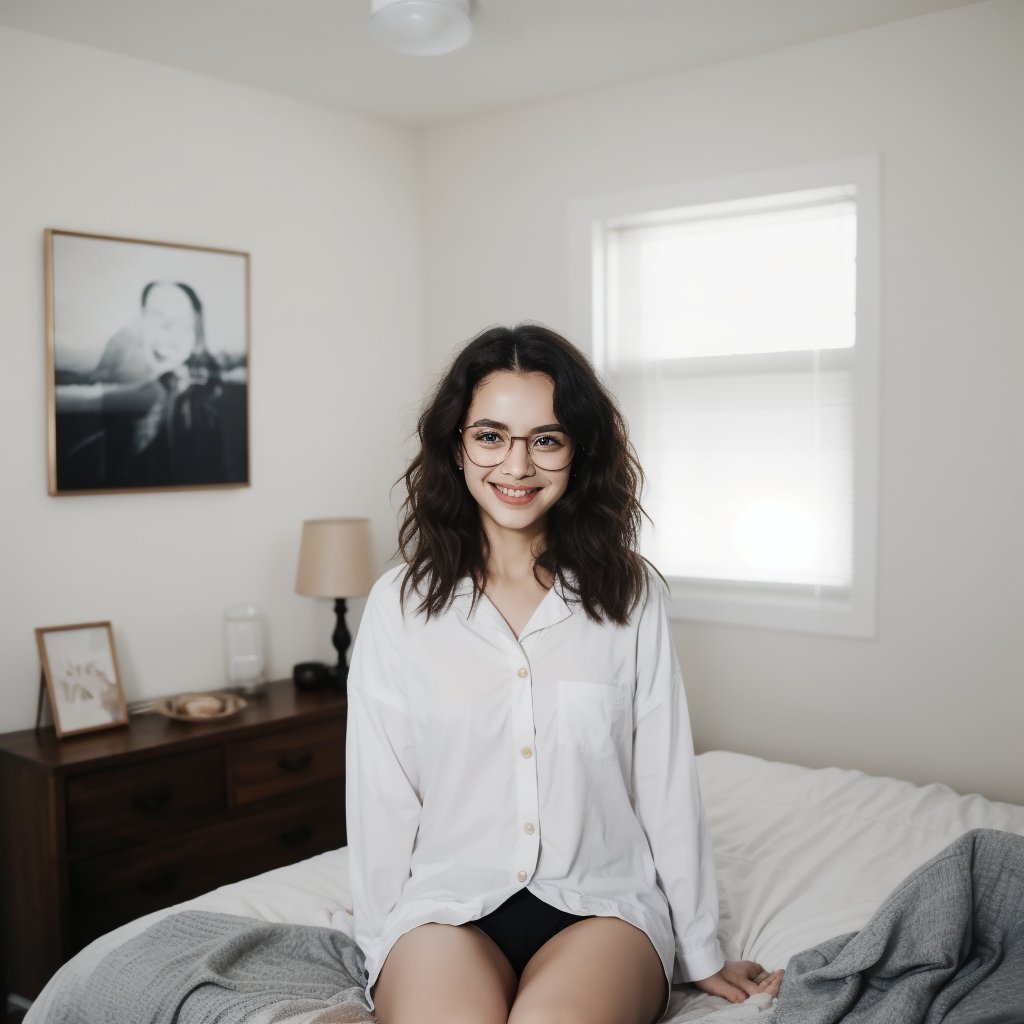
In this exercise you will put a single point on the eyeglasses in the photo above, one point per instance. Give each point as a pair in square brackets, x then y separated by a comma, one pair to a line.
[487, 447]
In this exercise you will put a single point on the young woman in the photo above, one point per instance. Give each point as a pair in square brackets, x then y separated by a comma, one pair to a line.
[524, 819]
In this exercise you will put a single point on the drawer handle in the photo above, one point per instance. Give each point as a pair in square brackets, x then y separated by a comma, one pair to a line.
[155, 800]
[296, 763]
[297, 836]
[156, 885]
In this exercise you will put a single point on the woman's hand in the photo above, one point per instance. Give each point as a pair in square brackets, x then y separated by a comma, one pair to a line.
[739, 979]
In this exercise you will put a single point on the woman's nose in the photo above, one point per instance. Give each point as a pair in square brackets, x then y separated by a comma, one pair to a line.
[518, 462]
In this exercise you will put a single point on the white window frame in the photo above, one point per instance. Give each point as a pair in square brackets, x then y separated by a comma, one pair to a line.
[848, 611]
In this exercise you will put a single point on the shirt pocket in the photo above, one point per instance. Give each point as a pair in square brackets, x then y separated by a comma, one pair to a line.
[591, 718]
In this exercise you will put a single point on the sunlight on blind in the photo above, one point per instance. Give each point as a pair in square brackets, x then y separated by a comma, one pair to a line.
[730, 346]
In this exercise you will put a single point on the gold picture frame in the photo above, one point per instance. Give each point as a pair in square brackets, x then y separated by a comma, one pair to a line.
[81, 677]
[148, 361]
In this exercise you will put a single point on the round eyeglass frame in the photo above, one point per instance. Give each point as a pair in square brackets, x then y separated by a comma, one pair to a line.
[511, 444]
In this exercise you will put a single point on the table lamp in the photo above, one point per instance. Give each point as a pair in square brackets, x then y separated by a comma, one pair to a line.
[336, 561]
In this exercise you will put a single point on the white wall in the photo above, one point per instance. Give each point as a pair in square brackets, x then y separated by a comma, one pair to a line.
[327, 206]
[939, 695]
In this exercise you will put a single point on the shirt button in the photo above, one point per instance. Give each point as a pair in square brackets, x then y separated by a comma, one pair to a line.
[523, 673]
[527, 752]
[521, 876]
[529, 828]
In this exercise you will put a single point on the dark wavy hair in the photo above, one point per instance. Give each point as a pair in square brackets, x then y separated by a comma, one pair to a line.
[592, 531]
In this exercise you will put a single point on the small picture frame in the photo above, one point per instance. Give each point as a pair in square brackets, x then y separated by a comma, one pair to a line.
[81, 677]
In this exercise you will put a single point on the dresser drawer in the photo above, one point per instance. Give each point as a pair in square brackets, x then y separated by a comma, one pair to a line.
[286, 762]
[133, 800]
[108, 890]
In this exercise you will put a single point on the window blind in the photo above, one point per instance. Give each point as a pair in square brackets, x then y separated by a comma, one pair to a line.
[730, 341]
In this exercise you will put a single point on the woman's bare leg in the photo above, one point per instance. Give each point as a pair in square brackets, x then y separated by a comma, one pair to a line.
[442, 974]
[598, 971]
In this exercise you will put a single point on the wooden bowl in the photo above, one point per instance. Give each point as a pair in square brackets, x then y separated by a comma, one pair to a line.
[201, 707]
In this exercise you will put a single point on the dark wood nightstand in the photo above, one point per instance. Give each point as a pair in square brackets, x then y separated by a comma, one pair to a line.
[101, 828]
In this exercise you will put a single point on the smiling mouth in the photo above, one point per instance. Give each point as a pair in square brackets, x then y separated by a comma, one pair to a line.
[515, 495]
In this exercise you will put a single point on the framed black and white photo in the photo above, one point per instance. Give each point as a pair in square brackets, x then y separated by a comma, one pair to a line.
[148, 365]
[82, 679]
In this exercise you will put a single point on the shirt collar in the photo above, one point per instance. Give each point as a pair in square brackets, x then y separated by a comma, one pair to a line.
[555, 606]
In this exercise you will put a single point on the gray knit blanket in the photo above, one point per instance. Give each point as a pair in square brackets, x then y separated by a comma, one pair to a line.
[946, 946]
[199, 968]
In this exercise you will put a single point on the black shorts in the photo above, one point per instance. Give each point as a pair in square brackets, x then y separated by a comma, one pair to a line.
[522, 924]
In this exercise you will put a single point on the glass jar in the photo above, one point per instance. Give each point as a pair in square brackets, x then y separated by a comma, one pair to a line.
[245, 648]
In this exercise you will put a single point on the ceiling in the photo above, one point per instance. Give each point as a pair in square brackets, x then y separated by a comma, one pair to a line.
[522, 50]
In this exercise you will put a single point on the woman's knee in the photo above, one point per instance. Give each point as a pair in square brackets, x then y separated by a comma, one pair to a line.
[442, 974]
[438, 1015]
[440, 1008]
[598, 971]
[551, 1012]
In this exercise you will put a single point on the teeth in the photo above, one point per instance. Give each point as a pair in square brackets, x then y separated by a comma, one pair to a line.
[515, 493]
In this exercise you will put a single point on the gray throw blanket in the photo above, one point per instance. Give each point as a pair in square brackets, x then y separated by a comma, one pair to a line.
[198, 968]
[947, 945]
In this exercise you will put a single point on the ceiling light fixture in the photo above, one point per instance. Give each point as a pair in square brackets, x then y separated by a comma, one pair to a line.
[421, 28]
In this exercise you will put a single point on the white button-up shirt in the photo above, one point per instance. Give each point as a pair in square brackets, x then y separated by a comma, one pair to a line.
[561, 761]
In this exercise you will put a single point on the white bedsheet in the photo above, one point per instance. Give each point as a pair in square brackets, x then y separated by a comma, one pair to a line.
[804, 854]
[801, 854]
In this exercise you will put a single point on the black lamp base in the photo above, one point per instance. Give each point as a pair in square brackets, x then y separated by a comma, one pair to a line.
[315, 675]
[337, 678]
[341, 638]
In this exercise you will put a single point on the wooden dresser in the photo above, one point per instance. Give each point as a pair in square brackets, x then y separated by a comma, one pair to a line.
[98, 829]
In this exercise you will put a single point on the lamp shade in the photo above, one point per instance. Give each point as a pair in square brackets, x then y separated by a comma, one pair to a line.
[421, 28]
[335, 558]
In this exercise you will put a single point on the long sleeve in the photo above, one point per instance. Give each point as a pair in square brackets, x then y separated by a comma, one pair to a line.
[382, 778]
[667, 797]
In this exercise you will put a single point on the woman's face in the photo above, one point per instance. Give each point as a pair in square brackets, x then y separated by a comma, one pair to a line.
[516, 494]
[168, 326]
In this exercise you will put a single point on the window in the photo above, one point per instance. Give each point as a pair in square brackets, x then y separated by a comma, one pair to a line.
[736, 322]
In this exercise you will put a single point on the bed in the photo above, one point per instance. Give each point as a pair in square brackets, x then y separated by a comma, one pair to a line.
[802, 855]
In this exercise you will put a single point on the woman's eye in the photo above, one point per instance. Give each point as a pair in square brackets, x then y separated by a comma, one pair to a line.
[547, 441]
[488, 437]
